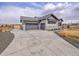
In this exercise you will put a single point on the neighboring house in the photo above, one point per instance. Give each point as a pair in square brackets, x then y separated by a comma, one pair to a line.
[47, 22]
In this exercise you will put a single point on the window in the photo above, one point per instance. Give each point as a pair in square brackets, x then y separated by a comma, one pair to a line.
[50, 21]
[20, 20]
[59, 24]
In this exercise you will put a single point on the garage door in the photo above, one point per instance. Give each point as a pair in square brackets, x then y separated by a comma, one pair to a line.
[42, 26]
[31, 26]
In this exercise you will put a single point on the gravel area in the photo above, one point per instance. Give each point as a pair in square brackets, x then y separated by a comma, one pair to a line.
[5, 39]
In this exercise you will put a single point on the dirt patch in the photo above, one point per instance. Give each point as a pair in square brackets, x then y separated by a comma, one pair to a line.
[5, 39]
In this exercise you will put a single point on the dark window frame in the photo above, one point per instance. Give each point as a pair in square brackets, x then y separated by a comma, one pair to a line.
[51, 21]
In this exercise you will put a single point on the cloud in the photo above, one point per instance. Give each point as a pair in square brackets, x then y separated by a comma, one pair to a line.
[31, 12]
[71, 14]
[34, 4]
[49, 6]
[63, 5]
[67, 11]
[71, 11]
[57, 9]
[71, 21]
[11, 14]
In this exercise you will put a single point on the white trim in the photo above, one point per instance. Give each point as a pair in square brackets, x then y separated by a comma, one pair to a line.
[24, 26]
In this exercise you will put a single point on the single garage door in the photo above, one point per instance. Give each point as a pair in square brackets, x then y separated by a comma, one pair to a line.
[31, 26]
[42, 26]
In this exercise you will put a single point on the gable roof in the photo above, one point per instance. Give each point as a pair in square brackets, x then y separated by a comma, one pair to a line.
[46, 16]
[29, 18]
[38, 18]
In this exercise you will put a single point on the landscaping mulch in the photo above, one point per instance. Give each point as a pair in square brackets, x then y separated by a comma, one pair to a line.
[5, 39]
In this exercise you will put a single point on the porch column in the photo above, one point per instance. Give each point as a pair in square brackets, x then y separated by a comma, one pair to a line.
[23, 26]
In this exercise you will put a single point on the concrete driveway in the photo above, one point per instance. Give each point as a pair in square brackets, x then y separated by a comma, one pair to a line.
[39, 43]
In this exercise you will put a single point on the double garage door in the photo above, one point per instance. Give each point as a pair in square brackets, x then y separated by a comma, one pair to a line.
[34, 26]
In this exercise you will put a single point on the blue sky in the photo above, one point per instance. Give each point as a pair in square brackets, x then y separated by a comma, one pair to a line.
[10, 12]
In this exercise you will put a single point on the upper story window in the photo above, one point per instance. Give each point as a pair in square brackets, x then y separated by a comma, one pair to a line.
[59, 24]
[51, 21]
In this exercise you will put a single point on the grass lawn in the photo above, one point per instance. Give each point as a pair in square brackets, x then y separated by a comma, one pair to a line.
[72, 36]
[5, 39]
[75, 38]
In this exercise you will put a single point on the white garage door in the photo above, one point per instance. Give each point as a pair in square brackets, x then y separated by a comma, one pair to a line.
[31, 26]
